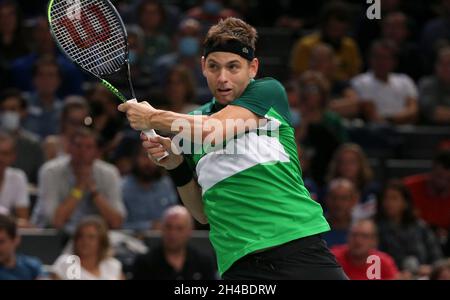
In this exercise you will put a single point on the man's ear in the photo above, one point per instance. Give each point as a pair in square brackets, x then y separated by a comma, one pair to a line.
[203, 62]
[254, 66]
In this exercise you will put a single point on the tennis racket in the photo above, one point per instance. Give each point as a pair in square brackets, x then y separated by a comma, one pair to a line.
[92, 34]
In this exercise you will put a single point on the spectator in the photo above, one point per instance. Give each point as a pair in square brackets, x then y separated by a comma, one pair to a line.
[341, 200]
[320, 129]
[180, 90]
[77, 185]
[210, 12]
[174, 259]
[91, 245]
[405, 237]
[343, 99]
[44, 46]
[350, 162]
[14, 196]
[436, 33]
[12, 40]
[15, 266]
[45, 106]
[431, 192]
[335, 20]
[187, 53]
[146, 194]
[434, 91]
[106, 121]
[355, 256]
[74, 115]
[29, 155]
[396, 28]
[386, 96]
[441, 270]
[151, 16]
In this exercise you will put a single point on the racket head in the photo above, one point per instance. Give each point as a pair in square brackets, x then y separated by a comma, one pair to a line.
[92, 34]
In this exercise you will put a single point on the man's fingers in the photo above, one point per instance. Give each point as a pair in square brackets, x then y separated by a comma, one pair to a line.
[150, 145]
[123, 107]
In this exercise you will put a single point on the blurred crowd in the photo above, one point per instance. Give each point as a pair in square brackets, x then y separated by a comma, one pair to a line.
[70, 161]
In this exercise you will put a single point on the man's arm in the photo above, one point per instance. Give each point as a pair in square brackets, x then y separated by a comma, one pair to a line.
[111, 215]
[66, 208]
[408, 115]
[441, 115]
[191, 196]
[195, 128]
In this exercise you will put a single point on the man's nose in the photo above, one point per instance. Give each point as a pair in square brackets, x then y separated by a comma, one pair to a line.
[223, 78]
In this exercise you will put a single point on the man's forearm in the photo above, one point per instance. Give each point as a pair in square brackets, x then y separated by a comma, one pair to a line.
[65, 210]
[191, 195]
[112, 216]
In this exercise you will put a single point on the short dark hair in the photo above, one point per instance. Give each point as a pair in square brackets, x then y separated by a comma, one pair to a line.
[14, 93]
[337, 10]
[231, 29]
[8, 224]
[84, 132]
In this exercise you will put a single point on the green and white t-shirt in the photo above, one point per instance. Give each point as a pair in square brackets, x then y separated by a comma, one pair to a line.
[255, 197]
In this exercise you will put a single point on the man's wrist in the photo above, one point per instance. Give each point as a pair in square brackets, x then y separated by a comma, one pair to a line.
[182, 174]
[76, 193]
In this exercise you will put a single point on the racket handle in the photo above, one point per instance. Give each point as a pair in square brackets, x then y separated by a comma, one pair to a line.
[150, 133]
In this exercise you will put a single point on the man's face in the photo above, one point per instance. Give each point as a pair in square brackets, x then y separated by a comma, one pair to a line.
[362, 238]
[47, 79]
[83, 150]
[8, 247]
[382, 61]
[228, 75]
[341, 201]
[176, 231]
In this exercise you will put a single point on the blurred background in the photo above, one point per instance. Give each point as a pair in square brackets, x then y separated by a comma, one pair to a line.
[369, 98]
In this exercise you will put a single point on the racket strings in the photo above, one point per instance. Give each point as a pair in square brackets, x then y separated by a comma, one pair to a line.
[102, 38]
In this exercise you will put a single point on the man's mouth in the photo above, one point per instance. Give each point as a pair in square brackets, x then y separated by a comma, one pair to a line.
[224, 92]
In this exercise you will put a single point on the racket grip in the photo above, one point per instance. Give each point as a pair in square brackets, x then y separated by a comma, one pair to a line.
[151, 133]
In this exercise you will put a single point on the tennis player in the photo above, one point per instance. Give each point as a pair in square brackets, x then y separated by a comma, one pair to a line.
[263, 222]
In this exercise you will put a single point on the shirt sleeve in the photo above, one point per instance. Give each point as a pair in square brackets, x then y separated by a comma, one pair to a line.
[21, 186]
[260, 95]
[113, 192]
[48, 195]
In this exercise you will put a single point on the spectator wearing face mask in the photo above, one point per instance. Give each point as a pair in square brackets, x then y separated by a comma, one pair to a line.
[29, 155]
[187, 54]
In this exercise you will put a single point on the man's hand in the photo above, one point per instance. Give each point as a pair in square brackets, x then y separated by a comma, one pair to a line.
[84, 178]
[156, 148]
[139, 114]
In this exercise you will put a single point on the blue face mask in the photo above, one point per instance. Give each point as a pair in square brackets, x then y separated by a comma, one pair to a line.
[212, 7]
[189, 46]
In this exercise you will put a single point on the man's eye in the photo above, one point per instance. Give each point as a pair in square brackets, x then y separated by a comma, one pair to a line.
[213, 67]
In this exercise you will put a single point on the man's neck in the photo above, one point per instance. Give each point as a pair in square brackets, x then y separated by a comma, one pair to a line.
[382, 77]
[46, 100]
